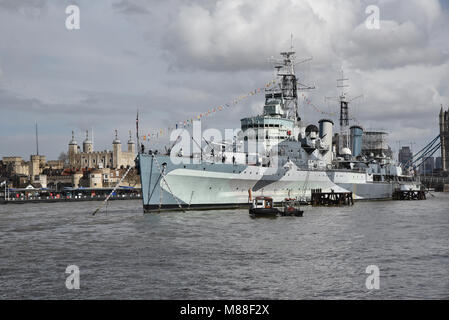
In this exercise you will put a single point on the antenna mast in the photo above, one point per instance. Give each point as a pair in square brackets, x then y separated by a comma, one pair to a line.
[344, 113]
[287, 89]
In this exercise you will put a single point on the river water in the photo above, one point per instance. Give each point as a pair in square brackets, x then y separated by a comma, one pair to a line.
[124, 254]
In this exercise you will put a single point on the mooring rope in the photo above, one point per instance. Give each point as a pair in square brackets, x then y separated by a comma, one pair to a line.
[113, 190]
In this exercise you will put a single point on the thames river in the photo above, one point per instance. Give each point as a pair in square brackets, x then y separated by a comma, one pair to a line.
[122, 253]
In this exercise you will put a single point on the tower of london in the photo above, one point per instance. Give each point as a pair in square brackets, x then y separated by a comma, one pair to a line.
[88, 158]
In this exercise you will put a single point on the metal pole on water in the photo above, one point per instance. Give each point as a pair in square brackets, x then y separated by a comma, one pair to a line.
[113, 190]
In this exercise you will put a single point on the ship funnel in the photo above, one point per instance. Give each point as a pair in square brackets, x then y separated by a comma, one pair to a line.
[355, 137]
[326, 128]
[311, 131]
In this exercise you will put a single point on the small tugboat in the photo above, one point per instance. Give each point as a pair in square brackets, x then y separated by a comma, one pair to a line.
[263, 207]
[291, 208]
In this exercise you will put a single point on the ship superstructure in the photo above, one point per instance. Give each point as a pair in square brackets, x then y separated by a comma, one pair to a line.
[274, 154]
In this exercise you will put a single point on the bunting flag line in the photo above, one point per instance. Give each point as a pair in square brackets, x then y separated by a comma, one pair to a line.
[332, 114]
[309, 102]
[161, 132]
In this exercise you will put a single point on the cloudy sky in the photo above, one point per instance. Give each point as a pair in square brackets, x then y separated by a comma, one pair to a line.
[175, 59]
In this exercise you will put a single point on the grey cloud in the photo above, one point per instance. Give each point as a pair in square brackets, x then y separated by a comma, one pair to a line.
[393, 45]
[90, 103]
[16, 5]
[130, 7]
[31, 8]
[181, 58]
[236, 34]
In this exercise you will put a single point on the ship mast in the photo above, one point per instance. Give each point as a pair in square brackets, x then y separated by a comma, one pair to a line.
[288, 84]
[343, 140]
[344, 113]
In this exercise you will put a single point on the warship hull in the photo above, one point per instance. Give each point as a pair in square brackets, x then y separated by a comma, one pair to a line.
[205, 186]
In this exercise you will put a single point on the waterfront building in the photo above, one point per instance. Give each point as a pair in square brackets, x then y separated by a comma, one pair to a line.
[427, 166]
[405, 155]
[438, 163]
[103, 178]
[22, 172]
[15, 165]
[88, 158]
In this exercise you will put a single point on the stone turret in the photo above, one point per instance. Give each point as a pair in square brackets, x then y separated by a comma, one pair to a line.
[73, 150]
[131, 145]
[117, 151]
[34, 169]
[87, 144]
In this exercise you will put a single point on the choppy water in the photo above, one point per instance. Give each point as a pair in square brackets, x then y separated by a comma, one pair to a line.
[224, 254]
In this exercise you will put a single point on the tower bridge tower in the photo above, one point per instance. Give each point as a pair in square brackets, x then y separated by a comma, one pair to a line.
[444, 138]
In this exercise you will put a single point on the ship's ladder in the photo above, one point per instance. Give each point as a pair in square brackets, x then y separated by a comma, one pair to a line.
[162, 172]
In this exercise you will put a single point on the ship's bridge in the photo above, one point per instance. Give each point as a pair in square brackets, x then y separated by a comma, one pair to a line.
[269, 129]
[266, 122]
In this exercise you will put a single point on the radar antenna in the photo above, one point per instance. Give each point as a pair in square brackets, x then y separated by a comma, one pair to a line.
[288, 84]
